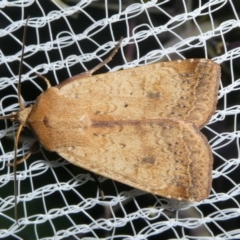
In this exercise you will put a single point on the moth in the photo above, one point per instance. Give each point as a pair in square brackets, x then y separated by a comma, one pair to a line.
[139, 126]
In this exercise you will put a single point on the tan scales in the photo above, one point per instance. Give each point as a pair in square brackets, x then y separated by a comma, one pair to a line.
[182, 89]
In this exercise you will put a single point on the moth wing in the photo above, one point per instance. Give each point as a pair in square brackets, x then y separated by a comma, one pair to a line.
[182, 90]
[164, 157]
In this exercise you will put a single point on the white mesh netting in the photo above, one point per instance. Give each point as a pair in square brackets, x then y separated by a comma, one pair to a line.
[60, 201]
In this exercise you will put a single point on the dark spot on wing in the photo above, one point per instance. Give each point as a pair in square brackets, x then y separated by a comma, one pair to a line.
[150, 160]
[153, 95]
[45, 121]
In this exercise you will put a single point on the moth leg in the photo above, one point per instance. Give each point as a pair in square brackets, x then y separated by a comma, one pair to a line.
[90, 72]
[108, 59]
[33, 149]
[98, 184]
[45, 79]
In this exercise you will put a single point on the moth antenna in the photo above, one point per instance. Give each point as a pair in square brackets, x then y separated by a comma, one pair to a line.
[21, 104]
[20, 66]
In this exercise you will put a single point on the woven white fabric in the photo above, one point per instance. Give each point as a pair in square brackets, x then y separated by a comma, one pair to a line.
[60, 201]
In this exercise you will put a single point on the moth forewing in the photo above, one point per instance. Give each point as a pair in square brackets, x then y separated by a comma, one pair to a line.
[166, 157]
[182, 90]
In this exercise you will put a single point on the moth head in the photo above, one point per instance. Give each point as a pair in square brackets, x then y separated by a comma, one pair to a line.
[22, 115]
[19, 117]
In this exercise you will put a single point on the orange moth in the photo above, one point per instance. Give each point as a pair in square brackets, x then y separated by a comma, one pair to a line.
[137, 126]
